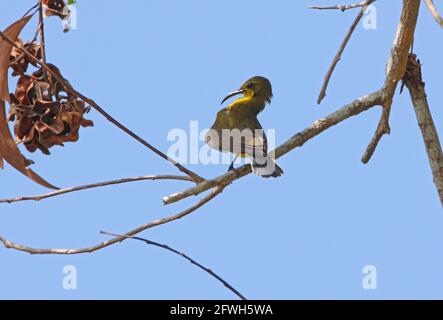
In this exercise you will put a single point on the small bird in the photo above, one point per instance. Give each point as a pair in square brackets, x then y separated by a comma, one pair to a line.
[237, 129]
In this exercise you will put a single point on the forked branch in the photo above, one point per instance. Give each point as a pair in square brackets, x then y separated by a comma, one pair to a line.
[396, 66]
[11, 245]
[396, 69]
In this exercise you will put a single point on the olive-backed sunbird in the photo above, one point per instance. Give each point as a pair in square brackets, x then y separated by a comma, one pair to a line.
[237, 129]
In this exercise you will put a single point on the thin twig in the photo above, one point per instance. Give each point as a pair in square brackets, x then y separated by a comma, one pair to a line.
[33, 7]
[11, 245]
[414, 82]
[183, 255]
[342, 48]
[94, 185]
[343, 7]
[67, 86]
[434, 12]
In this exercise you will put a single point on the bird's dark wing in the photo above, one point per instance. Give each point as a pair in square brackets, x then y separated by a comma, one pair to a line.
[255, 145]
[238, 130]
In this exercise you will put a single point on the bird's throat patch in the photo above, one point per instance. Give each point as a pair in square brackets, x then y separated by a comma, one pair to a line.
[239, 102]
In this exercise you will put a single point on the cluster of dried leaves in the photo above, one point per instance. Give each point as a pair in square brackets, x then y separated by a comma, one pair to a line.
[44, 114]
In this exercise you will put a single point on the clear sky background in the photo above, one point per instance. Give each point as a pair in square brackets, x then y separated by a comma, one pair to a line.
[156, 65]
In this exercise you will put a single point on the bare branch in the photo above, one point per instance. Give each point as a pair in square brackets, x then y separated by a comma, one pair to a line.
[396, 64]
[67, 86]
[434, 12]
[11, 245]
[180, 167]
[354, 108]
[342, 48]
[94, 185]
[343, 7]
[413, 80]
[396, 69]
[382, 129]
[183, 255]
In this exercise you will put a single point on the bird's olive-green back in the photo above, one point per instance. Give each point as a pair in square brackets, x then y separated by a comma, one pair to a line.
[240, 117]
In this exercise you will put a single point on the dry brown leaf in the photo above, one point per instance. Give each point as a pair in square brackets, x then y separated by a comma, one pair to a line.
[19, 62]
[12, 32]
[10, 152]
[8, 148]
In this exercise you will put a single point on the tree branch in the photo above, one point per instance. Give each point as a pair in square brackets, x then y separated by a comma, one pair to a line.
[434, 12]
[11, 245]
[69, 89]
[354, 108]
[396, 69]
[343, 7]
[183, 255]
[413, 81]
[95, 185]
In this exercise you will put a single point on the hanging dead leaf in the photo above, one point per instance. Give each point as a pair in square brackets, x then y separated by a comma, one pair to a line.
[24, 91]
[10, 152]
[12, 32]
[19, 62]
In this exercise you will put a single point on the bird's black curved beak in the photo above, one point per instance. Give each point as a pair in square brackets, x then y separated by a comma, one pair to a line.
[232, 94]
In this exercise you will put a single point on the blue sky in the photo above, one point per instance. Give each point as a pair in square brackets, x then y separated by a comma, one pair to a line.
[157, 65]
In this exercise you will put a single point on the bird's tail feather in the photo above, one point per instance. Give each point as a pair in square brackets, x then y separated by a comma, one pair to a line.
[267, 168]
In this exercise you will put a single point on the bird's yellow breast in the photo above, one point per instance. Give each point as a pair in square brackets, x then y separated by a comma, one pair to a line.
[240, 101]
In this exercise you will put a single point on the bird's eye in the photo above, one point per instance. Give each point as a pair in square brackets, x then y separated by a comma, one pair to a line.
[250, 86]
